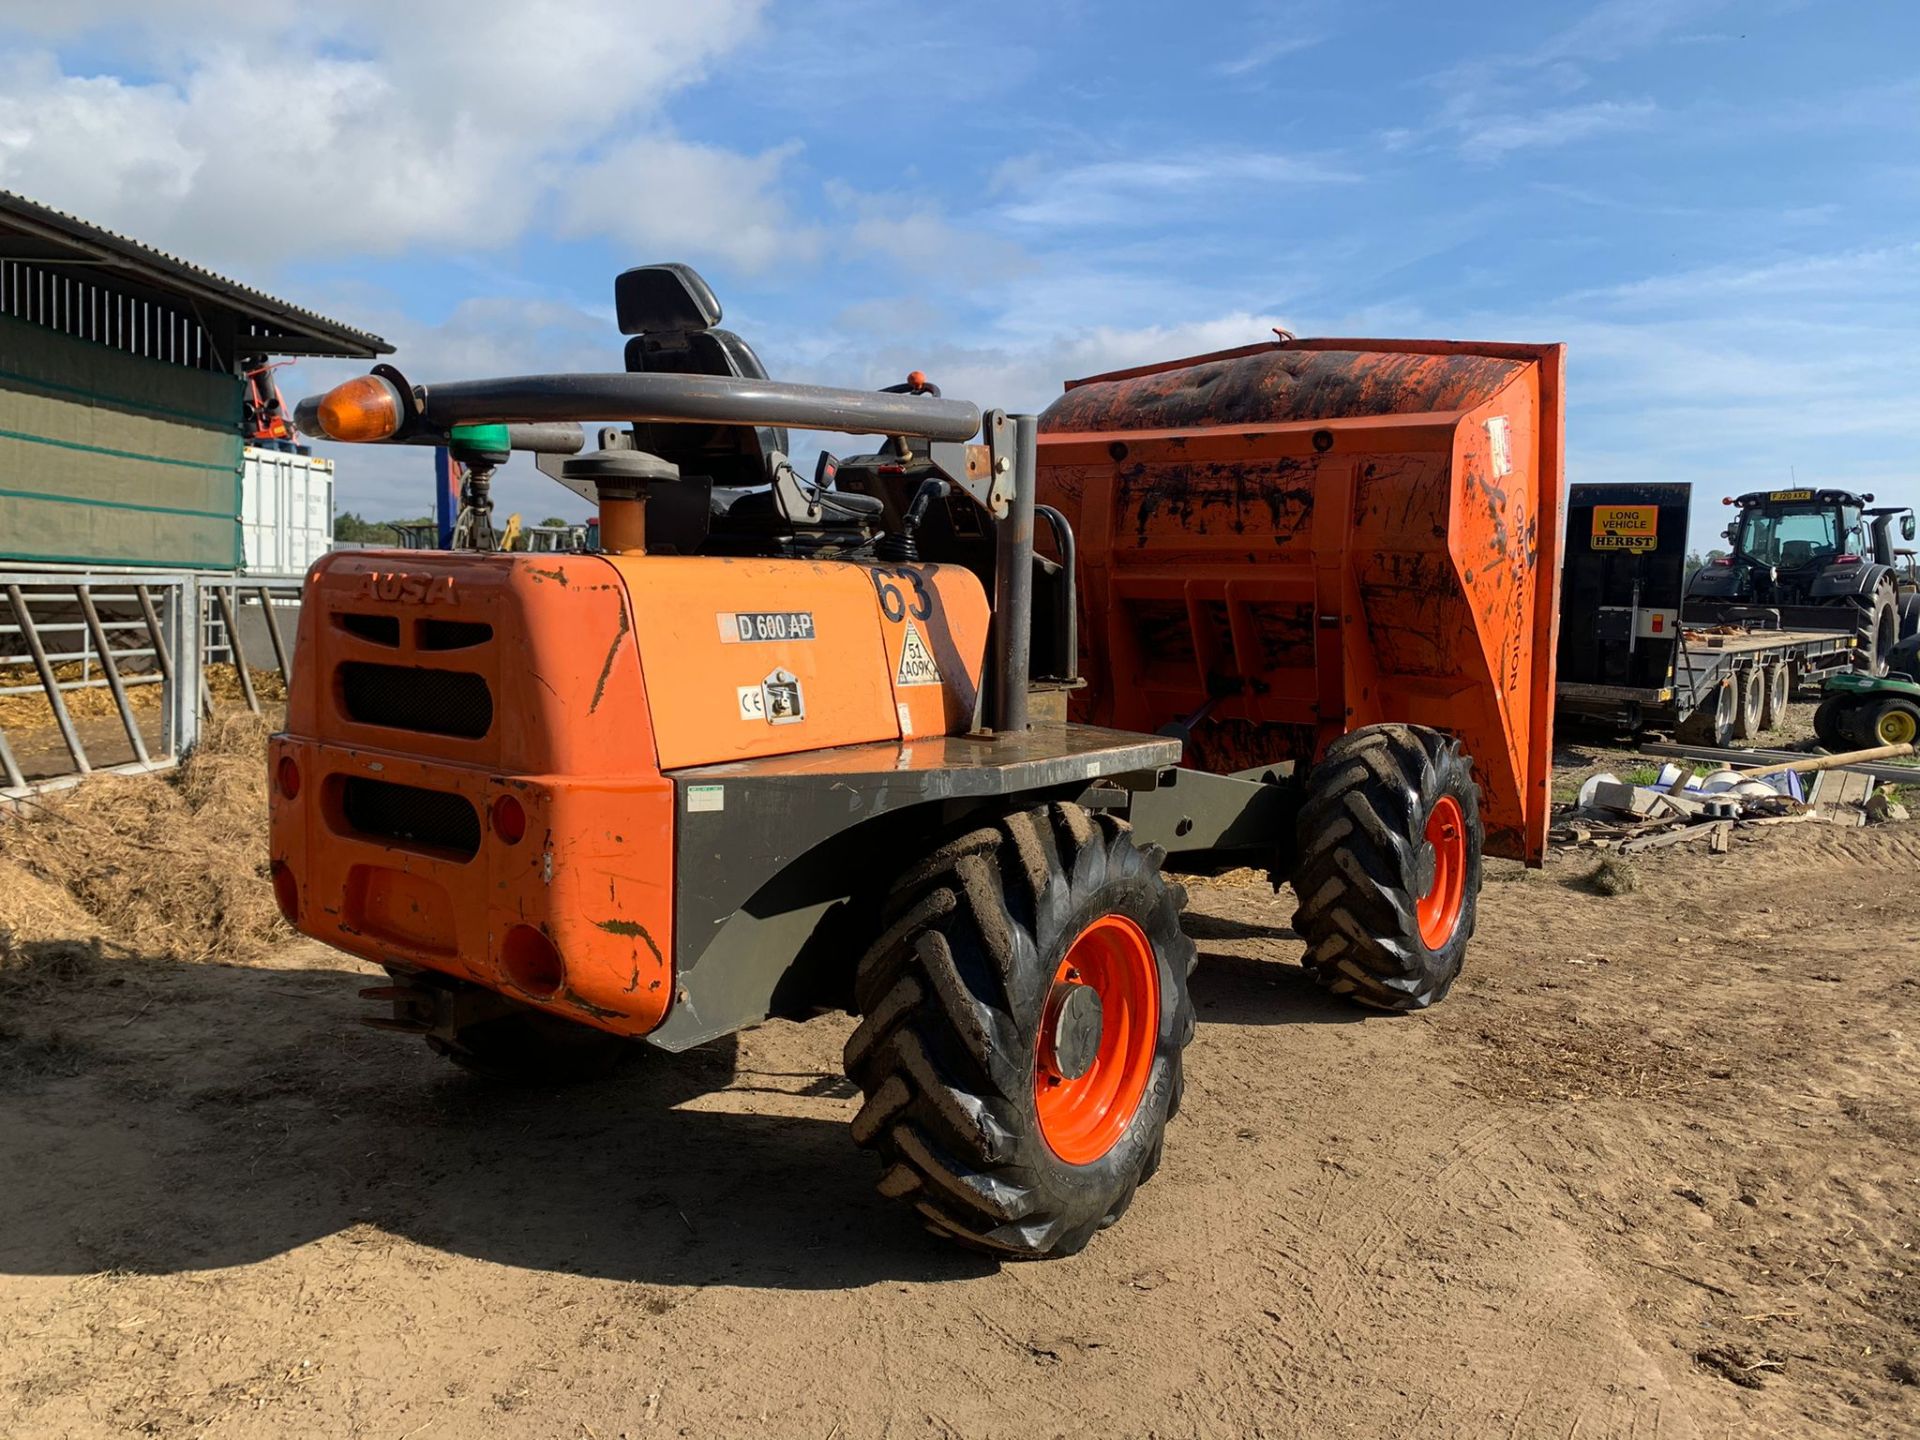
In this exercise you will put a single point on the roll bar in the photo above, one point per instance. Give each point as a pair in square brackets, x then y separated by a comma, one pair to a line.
[708, 399]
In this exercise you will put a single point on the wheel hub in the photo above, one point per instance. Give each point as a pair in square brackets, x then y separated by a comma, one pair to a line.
[1070, 1031]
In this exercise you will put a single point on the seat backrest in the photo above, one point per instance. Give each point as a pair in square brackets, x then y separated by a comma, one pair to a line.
[664, 297]
[729, 455]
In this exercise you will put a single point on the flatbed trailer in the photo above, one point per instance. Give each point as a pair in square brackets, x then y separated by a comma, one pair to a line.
[1627, 661]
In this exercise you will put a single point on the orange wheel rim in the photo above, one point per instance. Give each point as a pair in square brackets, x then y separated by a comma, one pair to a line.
[1438, 911]
[1083, 1117]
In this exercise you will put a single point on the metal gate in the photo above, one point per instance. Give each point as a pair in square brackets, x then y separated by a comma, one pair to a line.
[147, 641]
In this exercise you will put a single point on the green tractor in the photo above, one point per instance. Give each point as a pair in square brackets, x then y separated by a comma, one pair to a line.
[1814, 560]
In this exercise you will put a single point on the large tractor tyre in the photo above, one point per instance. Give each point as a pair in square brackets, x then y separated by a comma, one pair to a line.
[1779, 683]
[1389, 839]
[1711, 722]
[1878, 632]
[1909, 611]
[1025, 1009]
[1749, 701]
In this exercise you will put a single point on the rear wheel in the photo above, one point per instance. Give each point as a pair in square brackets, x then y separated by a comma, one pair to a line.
[1892, 720]
[1749, 702]
[1711, 722]
[1025, 1010]
[1779, 683]
[1389, 839]
[1879, 632]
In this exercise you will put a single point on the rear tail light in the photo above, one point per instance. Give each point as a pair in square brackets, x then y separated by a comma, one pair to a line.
[286, 892]
[1720, 560]
[509, 819]
[1846, 559]
[287, 774]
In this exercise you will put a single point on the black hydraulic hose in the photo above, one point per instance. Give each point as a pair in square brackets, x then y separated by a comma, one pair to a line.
[713, 399]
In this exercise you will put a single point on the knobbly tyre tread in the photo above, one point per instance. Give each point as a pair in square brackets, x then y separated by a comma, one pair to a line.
[1360, 844]
[951, 994]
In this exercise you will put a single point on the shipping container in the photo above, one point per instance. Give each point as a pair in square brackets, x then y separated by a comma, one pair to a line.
[286, 511]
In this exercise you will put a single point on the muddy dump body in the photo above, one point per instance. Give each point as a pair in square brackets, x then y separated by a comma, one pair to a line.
[1286, 542]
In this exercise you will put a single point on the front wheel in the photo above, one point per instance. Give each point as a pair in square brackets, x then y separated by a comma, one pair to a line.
[1389, 839]
[1025, 1011]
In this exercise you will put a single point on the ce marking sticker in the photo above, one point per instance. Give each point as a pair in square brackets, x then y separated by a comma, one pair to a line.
[777, 699]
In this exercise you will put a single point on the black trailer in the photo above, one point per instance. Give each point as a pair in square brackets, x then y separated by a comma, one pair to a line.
[1627, 660]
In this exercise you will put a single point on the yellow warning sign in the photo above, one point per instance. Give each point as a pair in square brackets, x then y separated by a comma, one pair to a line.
[1633, 528]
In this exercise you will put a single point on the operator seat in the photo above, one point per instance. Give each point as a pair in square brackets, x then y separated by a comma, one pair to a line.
[671, 314]
[1794, 554]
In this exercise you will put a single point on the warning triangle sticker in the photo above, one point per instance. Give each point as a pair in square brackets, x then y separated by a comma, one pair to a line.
[916, 661]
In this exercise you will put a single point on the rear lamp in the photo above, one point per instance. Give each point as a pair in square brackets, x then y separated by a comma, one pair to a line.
[287, 776]
[509, 819]
[1721, 560]
[286, 892]
[368, 408]
[1846, 559]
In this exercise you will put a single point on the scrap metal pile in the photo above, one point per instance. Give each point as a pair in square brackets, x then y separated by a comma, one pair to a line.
[1679, 805]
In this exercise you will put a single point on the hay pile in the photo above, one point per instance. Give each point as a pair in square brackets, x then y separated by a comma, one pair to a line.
[173, 865]
[31, 711]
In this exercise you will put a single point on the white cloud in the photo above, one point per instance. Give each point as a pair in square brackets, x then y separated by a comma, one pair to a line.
[1491, 137]
[669, 196]
[271, 131]
[1134, 190]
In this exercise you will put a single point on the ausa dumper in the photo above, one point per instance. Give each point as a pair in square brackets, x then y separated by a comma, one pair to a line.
[783, 746]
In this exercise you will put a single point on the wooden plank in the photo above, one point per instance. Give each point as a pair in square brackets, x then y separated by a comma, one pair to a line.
[1676, 836]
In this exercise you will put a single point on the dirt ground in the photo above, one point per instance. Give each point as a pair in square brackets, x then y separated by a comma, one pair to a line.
[1653, 1170]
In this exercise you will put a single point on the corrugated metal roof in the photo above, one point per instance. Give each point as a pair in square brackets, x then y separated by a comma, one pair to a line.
[316, 333]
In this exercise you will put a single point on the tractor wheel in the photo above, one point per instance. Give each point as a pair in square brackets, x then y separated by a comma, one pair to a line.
[1389, 839]
[1909, 609]
[1025, 1008]
[1878, 632]
[1749, 701]
[1773, 713]
[1888, 720]
[1828, 718]
[1711, 722]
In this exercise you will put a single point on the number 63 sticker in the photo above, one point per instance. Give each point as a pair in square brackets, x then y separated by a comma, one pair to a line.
[893, 601]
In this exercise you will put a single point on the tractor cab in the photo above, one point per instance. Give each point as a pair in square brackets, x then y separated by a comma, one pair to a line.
[1784, 541]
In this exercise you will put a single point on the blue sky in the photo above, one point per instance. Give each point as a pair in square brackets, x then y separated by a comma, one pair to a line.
[1714, 204]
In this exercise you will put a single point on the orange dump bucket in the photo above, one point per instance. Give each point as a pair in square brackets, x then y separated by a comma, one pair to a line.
[1281, 543]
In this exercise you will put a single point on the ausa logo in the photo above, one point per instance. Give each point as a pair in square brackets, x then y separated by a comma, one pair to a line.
[412, 589]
